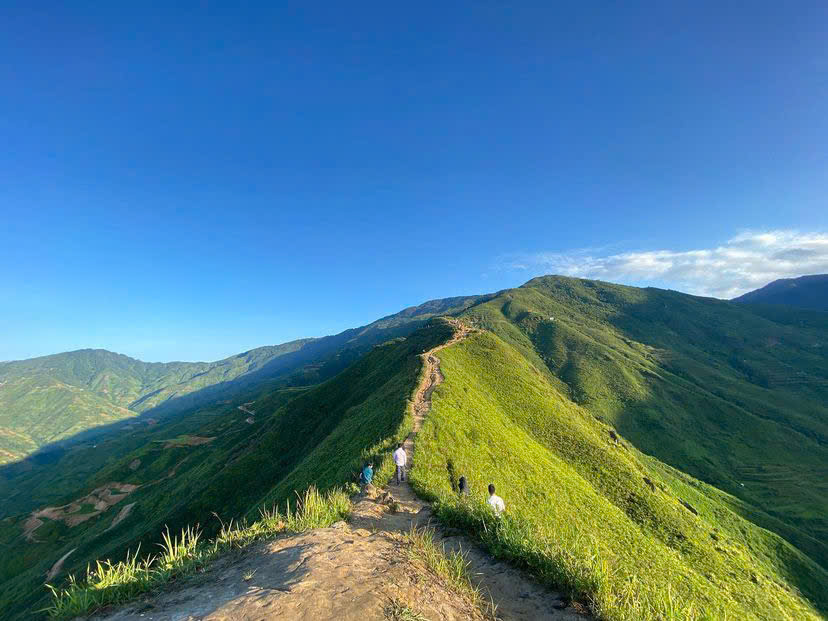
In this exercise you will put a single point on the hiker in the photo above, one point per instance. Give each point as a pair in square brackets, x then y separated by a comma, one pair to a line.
[367, 474]
[400, 458]
[463, 487]
[495, 501]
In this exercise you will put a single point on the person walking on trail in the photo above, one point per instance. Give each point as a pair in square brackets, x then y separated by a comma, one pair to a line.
[400, 458]
[367, 474]
[463, 487]
[495, 501]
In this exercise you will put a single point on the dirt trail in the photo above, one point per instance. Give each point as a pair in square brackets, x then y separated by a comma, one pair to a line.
[356, 571]
[517, 597]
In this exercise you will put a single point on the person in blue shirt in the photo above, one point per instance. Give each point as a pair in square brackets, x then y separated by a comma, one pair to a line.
[367, 474]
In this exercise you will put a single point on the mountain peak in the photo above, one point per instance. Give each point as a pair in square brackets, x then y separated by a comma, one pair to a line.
[809, 292]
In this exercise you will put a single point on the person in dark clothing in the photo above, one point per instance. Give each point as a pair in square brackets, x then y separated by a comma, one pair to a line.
[463, 487]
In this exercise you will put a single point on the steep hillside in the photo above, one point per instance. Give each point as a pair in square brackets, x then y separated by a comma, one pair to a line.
[587, 513]
[47, 399]
[730, 396]
[810, 292]
[239, 459]
[640, 437]
[54, 398]
[632, 536]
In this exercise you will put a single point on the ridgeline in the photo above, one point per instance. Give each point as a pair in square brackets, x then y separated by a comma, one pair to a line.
[662, 456]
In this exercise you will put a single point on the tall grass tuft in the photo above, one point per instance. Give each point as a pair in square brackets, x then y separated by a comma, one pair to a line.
[116, 583]
[453, 567]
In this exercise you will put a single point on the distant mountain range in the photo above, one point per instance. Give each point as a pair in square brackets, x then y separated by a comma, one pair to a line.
[809, 292]
[681, 439]
[51, 398]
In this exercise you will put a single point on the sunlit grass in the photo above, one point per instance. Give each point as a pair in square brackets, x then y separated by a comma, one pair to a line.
[580, 515]
[452, 567]
[181, 555]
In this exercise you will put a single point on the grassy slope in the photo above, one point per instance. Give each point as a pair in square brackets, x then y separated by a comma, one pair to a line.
[44, 400]
[579, 509]
[730, 395]
[319, 435]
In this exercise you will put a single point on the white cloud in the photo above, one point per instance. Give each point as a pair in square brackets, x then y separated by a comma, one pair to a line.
[745, 262]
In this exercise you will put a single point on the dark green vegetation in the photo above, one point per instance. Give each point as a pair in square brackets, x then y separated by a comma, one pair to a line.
[714, 504]
[810, 292]
[298, 437]
[49, 399]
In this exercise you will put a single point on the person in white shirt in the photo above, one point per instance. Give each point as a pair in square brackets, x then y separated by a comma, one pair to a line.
[400, 458]
[495, 501]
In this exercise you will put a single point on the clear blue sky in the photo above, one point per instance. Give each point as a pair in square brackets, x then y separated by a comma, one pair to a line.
[187, 181]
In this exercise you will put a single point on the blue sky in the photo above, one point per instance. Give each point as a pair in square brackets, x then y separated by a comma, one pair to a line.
[190, 181]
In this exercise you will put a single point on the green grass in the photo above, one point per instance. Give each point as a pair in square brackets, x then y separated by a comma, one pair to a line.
[109, 584]
[73, 395]
[399, 611]
[734, 395]
[725, 402]
[320, 436]
[580, 515]
[451, 567]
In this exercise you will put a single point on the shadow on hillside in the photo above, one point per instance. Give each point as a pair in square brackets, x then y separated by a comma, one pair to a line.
[315, 362]
[729, 427]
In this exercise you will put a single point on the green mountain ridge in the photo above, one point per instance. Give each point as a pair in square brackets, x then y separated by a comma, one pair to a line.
[637, 538]
[46, 399]
[717, 488]
[682, 377]
[55, 398]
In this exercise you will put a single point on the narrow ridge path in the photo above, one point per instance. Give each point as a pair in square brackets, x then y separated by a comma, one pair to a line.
[351, 571]
[516, 596]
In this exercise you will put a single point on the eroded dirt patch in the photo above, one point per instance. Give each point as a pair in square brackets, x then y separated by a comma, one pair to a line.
[122, 515]
[187, 441]
[80, 510]
[55, 570]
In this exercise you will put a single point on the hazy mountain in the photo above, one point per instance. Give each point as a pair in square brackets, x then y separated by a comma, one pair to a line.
[804, 292]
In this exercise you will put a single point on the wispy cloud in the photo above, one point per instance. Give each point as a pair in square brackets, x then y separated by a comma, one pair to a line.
[745, 262]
